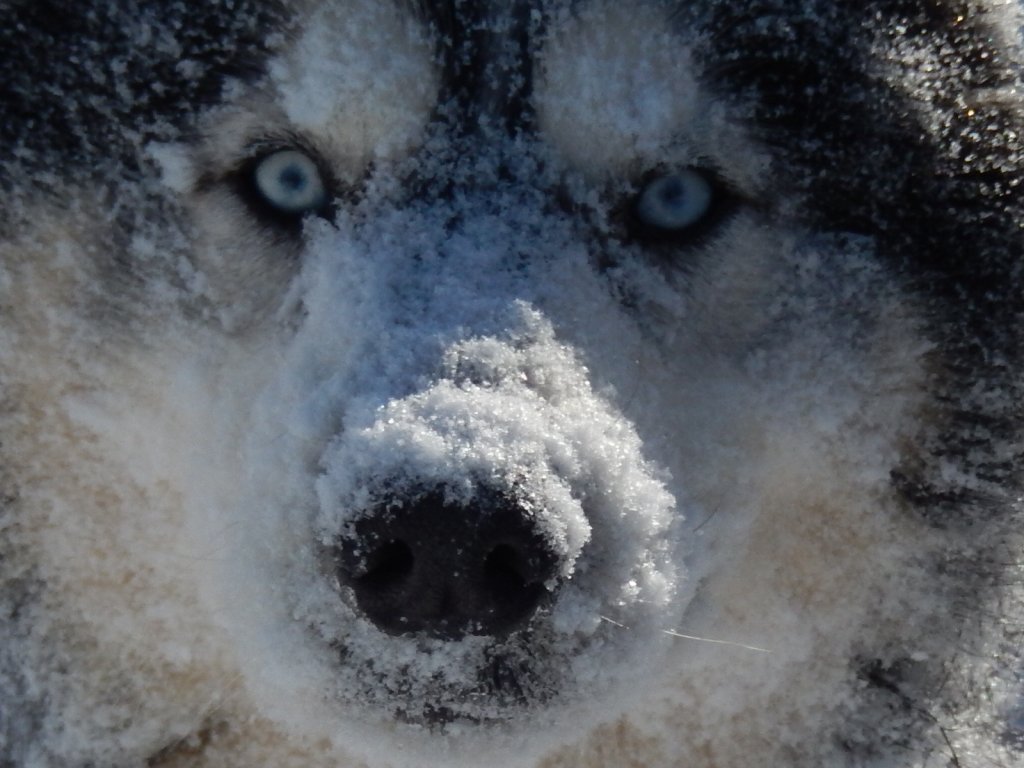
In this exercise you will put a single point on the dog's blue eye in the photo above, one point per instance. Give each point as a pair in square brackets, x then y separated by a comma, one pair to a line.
[290, 182]
[674, 201]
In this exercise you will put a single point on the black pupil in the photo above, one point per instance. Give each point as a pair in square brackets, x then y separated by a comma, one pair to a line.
[292, 178]
[673, 193]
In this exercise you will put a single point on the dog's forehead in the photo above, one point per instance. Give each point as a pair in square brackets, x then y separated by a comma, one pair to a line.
[366, 76]
[617, 83]
[360, 77]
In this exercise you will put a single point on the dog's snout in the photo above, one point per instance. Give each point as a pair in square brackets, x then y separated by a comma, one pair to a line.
[448, 569]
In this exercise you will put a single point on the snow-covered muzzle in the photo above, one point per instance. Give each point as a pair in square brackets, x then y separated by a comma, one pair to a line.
[439, 497]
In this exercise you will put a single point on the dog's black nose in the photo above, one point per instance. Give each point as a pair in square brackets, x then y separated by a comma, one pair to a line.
[446, 569]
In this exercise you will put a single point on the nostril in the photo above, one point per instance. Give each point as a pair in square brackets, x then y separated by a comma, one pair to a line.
[428, 565]
[508, 571]
[387, 566]
[514, 581]
[502, 569]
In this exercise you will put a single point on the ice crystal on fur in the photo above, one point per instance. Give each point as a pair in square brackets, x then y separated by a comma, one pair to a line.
[473, 459]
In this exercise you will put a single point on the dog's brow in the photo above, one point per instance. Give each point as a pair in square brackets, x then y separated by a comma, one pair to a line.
[488, 74]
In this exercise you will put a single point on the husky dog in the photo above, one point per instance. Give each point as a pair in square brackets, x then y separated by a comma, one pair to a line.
[567, 383]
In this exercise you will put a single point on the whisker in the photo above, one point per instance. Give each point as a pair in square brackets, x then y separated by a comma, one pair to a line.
[673, 633]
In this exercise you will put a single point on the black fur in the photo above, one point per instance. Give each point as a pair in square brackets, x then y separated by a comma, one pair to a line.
[83, 81]
[944, 207]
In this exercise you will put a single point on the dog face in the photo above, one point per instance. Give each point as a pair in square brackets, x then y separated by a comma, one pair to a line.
[518, 383]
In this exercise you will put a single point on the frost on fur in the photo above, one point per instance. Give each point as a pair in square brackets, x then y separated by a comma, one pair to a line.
[528, 384]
